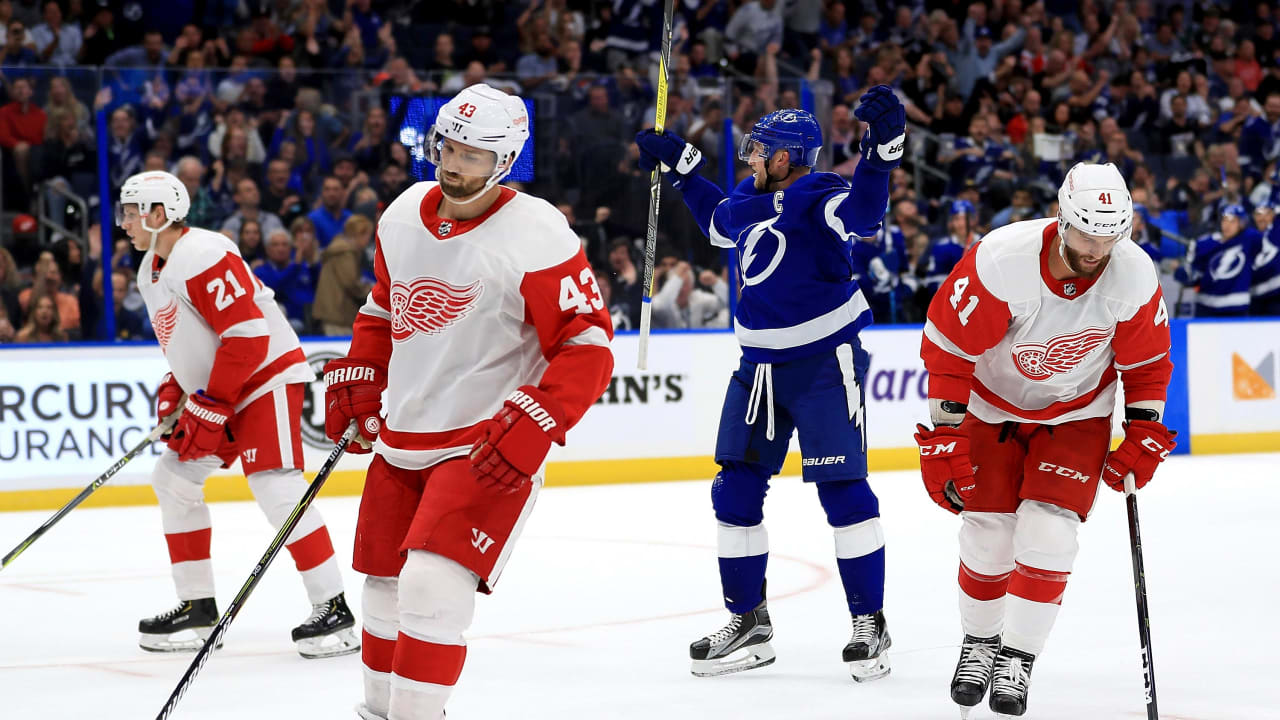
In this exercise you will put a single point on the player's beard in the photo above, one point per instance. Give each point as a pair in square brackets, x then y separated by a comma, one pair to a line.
[1075, 262]
[465, 186]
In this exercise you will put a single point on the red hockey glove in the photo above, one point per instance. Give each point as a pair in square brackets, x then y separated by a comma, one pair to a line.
[353, 391]
[945, 466]
[1146, 444]
[514, 442]
[168, 400]
[201, 429]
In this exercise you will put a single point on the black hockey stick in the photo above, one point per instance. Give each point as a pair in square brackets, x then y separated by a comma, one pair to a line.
[215, 637]
[1140, 591]
[655, 189]
[164, 427]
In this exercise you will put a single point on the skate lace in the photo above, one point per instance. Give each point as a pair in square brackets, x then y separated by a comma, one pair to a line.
[318, 613]
[728, 631]
[170, 614]
[864, 629]
[1012, 679]
[976, 663]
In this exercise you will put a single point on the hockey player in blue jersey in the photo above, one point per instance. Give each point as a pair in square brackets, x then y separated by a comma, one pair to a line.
[802, 367]
[1266, 264]
[1221, 263]
[947, 250]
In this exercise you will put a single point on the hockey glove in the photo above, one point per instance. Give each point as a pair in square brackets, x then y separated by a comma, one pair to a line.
[514, 442]
[1146, 444]
[168, 400]
[201, 429]
[945, 466]
[886, 118]
[678, 158]
[353, 392]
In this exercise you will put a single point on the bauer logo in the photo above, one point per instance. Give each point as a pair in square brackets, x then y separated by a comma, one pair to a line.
[1253, 382]
[313, 402]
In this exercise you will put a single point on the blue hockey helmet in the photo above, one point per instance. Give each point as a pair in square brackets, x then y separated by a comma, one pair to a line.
[1236, 211]
[962, 207]
[795, 131]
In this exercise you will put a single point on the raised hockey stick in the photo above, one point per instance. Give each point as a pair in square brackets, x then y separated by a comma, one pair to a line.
[655, 189]
[215, 637]
[165, 426]
[1140, 591]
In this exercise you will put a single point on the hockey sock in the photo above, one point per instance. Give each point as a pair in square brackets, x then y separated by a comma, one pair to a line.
[179, 488]
[378, 640]
[1034, 599]
[982, 601]
[744, 554]
[860, 558]
[436, 603]
[277, 493]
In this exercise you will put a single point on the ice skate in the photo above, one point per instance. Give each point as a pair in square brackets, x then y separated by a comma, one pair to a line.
[867, 651]
[329, 632]
[743, 644]
[182, 629]
[1010, 681]
[973, 671]
[365, 713]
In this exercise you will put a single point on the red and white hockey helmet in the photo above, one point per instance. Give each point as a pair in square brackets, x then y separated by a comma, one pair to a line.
[1095, 200]
[486, 118]
[149, 189]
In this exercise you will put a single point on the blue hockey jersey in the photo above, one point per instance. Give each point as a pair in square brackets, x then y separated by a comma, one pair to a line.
[795, 253]
[1223, 270]
[1266, 266]
[944, 253]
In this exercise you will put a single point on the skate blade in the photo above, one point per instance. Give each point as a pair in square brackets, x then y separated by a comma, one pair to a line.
[365, 713]
[181, 641]
[868, 670]
[747, 658]
[342, 642]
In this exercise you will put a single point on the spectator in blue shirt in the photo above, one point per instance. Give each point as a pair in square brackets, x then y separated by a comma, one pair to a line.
[291, 274]
[16, 51]
[331, 215]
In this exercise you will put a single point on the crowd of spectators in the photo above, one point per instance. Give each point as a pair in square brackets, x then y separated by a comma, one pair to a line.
[282, 119]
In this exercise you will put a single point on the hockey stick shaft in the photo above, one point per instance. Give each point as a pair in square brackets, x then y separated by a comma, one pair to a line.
[164, 427]
[655, 190]
[1140, 592]
[256, 574]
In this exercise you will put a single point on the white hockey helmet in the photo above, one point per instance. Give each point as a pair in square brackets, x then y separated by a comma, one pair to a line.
[482, 117]
[156, 187]
[1094, 199]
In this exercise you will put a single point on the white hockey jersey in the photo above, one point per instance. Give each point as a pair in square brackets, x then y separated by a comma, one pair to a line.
[1014, 343]
[218, 325]
[465, 311]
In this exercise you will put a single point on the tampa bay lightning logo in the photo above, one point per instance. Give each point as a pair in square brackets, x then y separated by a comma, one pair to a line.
[1228, 264]
[756, 233]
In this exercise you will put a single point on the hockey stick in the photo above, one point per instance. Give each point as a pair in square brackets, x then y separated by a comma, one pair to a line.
[655, 189]
[165, 426]
[215, 637]
[1140, 591]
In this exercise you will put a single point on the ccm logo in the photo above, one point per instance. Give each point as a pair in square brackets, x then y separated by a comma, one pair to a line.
[830, 460]
[1065, 472]
[1150, 444]
[939, 449]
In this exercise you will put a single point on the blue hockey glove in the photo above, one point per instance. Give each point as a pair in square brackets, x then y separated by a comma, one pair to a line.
[678, 158]
[886, 137]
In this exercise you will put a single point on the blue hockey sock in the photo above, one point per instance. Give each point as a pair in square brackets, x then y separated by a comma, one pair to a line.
[860, 558]
[744, 553]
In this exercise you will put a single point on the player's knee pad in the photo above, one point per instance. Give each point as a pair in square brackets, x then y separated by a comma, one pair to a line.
[1045, 537]
[986, 542]
[179, 486]
[737, 493]
[847, 502]
[437, 598]
[380, 606]
[277, 493]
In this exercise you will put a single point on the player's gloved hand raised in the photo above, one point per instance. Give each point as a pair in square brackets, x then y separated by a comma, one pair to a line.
[678, 158]
[353, 392]
[1146, 444]
[886, 136]
[202, 427]
[514, 442]
[945, 466]
[168, 400]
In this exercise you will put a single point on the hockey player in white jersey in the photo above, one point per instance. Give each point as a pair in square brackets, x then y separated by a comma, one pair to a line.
[239, 365]
[1026, 343]
[487, 331]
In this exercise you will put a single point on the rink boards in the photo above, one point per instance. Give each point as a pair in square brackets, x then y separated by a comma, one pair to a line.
[66, 413]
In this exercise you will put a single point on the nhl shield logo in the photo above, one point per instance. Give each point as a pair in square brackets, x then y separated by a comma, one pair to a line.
[1069, 289]
[445, 228]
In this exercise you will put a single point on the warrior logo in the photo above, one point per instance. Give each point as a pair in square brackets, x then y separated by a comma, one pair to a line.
[1060, 354]
[429, 305]
[164, 322]
[446, 227]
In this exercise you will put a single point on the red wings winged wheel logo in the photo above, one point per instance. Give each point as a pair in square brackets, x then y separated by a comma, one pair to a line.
[163, 323]
[429, 305]
[1060, 354]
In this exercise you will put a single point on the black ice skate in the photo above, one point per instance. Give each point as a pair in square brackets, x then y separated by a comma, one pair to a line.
[743, 644]
[184, 628]
[973, 671]
[1010, 681]
[329, 631]
[867, 651]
